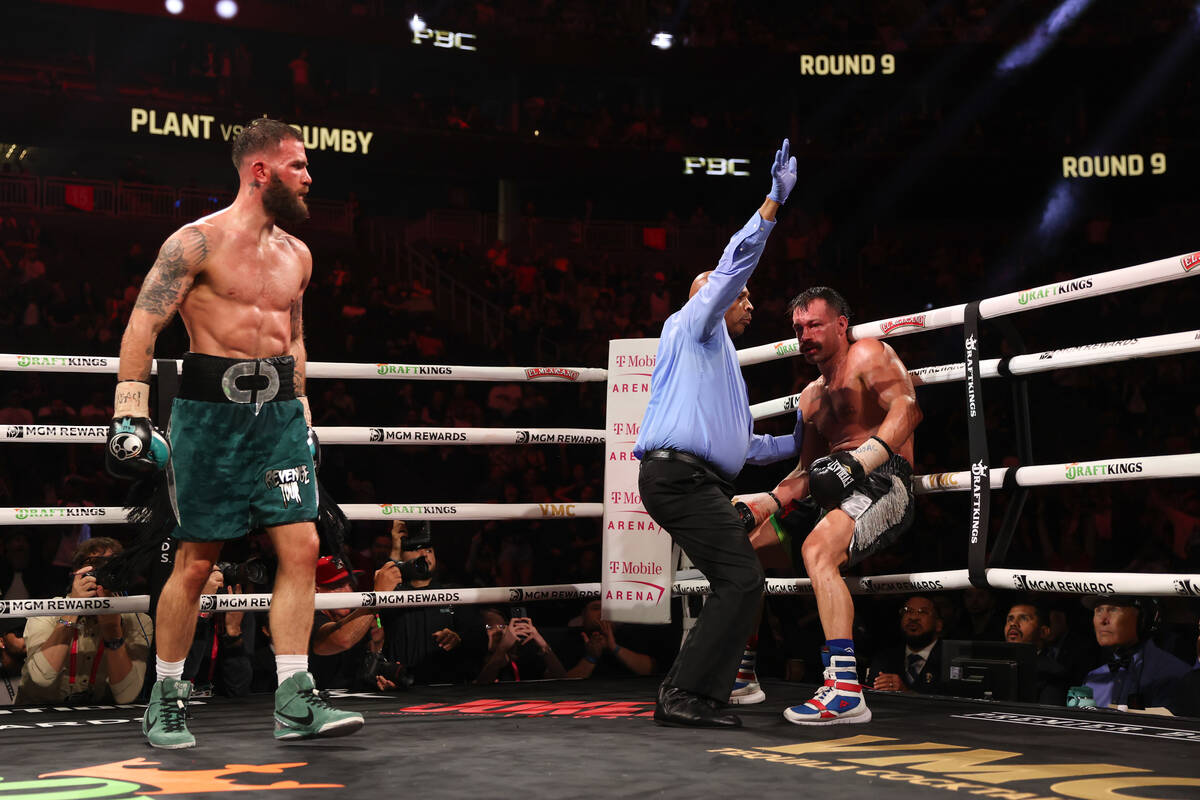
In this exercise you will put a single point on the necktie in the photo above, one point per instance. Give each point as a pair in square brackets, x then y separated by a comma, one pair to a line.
[915, 662]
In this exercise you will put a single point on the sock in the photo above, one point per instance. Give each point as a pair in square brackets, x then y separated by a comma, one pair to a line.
[287, 666]
[747, 668]
[168, 669]
[840, 647]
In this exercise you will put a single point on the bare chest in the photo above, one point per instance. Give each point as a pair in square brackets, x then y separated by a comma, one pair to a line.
[841, 409]
[268, 278]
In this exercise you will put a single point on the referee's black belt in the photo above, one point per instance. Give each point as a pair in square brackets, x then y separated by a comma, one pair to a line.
[685, 458]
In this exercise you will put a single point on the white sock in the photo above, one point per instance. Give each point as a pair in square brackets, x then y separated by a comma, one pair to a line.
[287, 666]
[168, 669]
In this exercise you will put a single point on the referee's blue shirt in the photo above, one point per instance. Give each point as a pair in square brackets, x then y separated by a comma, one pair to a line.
[698, 399]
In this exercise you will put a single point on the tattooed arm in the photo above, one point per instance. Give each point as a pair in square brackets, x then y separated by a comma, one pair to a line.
[179, 262]
[296, 347]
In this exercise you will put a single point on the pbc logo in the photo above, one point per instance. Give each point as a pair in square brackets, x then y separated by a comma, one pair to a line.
[208, 602]
[16, 432]
[376, 434]
[368, 599]
[522, 437]
[516, 595]
[1189, 261]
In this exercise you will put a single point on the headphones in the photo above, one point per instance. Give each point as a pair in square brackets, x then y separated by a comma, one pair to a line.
[1149, 615]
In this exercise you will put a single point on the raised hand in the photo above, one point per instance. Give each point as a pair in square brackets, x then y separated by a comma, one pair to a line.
[783, 173]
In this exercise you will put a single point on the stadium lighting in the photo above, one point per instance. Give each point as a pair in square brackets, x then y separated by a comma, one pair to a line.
[661, 40]
[416, 24]
[174, 6]
[227, 9]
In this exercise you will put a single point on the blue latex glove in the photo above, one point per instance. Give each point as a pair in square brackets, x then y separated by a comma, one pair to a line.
[783, 173]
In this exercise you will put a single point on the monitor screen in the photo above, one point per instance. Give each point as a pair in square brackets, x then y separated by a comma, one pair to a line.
[990, 670]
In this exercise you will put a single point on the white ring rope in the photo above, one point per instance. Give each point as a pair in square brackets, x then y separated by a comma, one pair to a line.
[1115, 469]
[1108, 470]
[12, 362]
[1108, 583]
[1167, 344]
[1117, 280]
[116, 515]
[97, 434]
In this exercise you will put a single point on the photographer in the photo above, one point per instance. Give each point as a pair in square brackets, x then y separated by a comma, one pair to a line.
[219, 660]
[86, 659]
[339, 644]
[516, 650]
[423, 639]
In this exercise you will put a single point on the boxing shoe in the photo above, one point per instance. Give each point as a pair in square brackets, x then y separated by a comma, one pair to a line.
[682, 709]
[839, 701]
[301, 712]
[746, 689]
[165, 722]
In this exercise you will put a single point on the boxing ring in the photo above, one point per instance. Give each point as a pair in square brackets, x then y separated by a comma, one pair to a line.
[957, 741]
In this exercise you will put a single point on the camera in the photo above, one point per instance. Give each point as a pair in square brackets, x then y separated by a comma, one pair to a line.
[416, 569]
[377, 665]
[252, 570]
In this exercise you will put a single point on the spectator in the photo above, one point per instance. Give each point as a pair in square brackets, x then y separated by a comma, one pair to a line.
[1137, 673]
[90, 659]
[1187, 699]
[917, 666]
[1029, 623]
[516, 650]
[219, 661]
[12, 657]
[339, 644]
[982, 621]
[602, 655]
[425, 640]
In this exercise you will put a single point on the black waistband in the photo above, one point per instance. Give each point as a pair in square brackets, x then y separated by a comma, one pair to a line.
[216, 379]
[686, 458]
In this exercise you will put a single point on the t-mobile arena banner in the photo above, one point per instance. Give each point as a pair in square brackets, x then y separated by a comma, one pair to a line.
[636, 576]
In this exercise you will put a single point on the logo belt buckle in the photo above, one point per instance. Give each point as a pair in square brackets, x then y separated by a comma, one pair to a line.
[246, 369]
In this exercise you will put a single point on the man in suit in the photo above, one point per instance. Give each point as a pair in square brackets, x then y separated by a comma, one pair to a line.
[915, 666]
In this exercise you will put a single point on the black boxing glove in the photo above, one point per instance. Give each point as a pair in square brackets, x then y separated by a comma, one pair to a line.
[135, 448]
[832, 478]
[314, 447]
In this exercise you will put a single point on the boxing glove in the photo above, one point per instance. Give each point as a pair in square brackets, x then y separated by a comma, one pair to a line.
[832, 478]
[135, 448]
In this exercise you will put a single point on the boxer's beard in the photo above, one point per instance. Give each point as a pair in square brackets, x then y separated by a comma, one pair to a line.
[284, 205]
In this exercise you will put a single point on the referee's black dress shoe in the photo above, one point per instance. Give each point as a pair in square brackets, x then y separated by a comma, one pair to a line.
[679, 708]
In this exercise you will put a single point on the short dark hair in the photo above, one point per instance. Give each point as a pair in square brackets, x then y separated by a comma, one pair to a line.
[92, 547]
[830, 296]
[1040, 608]
[261, 134]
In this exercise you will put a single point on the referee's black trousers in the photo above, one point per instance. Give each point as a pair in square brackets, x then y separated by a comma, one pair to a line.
[692, 504]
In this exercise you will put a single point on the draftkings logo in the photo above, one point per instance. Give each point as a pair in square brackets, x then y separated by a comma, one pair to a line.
[288, 482]
[973, 772]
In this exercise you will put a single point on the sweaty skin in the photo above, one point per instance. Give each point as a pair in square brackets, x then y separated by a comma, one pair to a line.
[235, 278]
[238, 281]
[864, 390]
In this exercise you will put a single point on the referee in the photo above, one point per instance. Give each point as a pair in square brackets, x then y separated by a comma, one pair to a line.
[695, 437]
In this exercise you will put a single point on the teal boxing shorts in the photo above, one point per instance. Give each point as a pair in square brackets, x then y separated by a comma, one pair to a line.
[239, 449]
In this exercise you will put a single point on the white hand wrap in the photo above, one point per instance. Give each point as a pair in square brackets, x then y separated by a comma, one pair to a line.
[872, 454]
[132, 399]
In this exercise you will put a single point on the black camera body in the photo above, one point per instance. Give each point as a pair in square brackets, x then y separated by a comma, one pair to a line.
[377, 665]
[252, 570]
[415, 569]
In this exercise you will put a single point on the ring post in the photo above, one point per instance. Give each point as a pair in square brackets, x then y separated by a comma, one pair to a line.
[981, 485]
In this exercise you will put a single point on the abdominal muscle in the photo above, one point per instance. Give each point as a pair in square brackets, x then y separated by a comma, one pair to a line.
[218, 326]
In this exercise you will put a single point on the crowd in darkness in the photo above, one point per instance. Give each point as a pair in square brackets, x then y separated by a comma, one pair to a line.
[66, 288]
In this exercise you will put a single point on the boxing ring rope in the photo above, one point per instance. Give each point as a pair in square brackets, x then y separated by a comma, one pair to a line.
[11, 362]
[1101, 283]
[942, 580]
[469, 512]
[96, 434]
[1034, 580]
[1167, 344]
